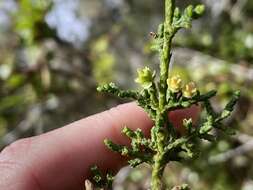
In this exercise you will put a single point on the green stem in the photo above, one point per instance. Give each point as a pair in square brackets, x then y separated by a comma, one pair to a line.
[161, 133]
[169, 11]
[157, 173]
[161, 137]
[165, 55]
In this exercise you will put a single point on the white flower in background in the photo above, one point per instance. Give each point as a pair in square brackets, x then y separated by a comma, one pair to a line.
[6, 9]
[249, 41]
[5, 71]
[70, 28]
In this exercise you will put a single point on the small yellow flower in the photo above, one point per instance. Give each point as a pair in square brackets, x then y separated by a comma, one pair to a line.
[189, 90]
[145, 77]
[175, 83]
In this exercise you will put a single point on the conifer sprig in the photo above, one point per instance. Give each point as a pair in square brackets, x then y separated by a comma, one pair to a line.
[170, 93]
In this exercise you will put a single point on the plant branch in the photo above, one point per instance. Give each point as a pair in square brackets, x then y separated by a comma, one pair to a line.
[165, 55]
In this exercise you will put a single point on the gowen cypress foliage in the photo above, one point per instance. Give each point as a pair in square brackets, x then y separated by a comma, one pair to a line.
[158, 98]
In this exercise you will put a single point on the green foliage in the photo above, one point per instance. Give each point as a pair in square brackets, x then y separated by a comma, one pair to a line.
[166, 95]
[103, 60]
[53, 83]
[29, 18]
[100, 180]
[228, 36]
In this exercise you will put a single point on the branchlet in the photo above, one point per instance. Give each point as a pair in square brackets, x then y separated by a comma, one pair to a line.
[160, 96]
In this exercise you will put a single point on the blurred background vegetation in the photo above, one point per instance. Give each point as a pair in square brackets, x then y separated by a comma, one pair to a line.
[53, 54]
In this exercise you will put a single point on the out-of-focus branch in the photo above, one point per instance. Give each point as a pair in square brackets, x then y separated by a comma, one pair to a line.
[195, 59]
[32, 117]
[247, 146]
[236, 12]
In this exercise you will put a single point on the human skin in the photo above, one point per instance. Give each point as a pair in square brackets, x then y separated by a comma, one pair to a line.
[61, 159]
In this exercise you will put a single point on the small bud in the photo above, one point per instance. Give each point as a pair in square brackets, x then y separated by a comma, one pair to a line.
[160, 30]
[199, 10]
[175, 83]
[187, 122]
[145, 77]
[124, 151]
[189, 90]
[189, 11]
[177, 13]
